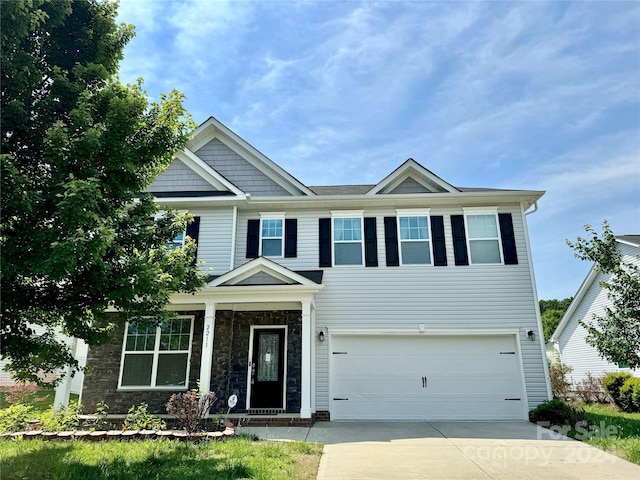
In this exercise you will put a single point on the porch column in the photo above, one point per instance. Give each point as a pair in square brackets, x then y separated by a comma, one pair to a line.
[207, 347]
[307, 332]
[63, 389]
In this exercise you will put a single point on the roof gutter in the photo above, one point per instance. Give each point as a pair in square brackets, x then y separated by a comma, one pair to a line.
[535, 208]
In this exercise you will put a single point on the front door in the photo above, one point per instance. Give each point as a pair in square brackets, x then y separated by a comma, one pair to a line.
[267, 368]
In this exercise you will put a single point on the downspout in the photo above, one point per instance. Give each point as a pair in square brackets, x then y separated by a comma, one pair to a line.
[535, 208]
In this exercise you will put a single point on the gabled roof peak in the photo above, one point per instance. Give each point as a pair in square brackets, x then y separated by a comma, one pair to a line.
[413, 170]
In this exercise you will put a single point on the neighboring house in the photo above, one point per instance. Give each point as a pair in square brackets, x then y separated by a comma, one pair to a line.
[80, 354]
[408, 299]
[568, 340]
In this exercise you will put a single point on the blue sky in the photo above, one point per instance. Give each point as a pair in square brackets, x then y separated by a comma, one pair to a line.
[525, 95]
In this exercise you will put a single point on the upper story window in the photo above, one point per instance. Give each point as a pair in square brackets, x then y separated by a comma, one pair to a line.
[413, 229]
[157, 356]
[271, 236]
[483, 236]
[177, 242]
[347, 238]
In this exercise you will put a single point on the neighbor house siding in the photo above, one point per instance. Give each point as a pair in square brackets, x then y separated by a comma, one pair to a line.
[239, 171]
[180, 178]
[574, 350]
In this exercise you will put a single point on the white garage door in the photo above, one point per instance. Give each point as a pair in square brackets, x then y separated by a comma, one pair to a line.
[420, 377]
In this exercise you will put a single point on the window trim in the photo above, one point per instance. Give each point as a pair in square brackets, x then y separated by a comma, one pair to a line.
[156, 355]
[335, 214]
[414, 212]
[477, 211]
[272, 216]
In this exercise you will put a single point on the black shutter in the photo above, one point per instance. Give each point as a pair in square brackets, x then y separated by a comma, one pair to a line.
[193, 230]
[324, 242]
[253, 238]
[459, 240]
[290, 238]
[508, 239]
[437, 236]
[391, 241]
[370, 242]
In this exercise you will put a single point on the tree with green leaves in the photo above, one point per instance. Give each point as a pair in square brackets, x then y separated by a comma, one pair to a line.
[616, 333]
[78, 237]
[551, 312]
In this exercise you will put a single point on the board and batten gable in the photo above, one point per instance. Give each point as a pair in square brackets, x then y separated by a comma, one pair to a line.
[570, 337]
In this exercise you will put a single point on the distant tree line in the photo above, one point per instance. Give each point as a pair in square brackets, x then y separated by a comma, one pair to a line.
[552, 312]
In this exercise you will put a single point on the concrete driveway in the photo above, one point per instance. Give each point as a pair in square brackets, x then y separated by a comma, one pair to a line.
[451, 450]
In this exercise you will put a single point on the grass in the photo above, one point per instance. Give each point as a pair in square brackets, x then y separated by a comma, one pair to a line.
[613, 431]
[237, 458]
[46, 402]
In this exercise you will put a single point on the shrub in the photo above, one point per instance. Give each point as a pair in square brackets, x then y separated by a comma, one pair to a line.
[590, 390]
[99, 420]
[559, 384]
[556, 412]
[630, 390]
[190, 408]
[139, 419]
[61, 420]
[13, 418]
[612, 382]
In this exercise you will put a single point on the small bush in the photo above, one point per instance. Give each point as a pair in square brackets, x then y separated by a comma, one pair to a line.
[139, 419]
[61, 420]
[590, 390]
[556, 412]
[99, 420]
[14, 417]
[612, 383]
[630, 390]
[559, 384]
[190, 408]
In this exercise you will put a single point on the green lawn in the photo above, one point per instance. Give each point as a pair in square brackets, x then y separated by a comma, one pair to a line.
[615, 431]
[237, 458]
[45, 403]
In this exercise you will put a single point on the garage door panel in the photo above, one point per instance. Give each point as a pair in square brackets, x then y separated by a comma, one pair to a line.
[381, 377]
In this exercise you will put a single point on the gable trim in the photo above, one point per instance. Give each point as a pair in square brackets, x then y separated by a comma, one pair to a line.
[413, 169]
[261, 264]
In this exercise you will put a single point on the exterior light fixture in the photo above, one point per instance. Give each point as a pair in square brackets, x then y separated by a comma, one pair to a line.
[321, 335]
[532, 335]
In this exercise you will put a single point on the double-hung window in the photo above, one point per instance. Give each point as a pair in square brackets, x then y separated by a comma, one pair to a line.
[271, 236]
[483, 236]
[157, 356]
[413, 232]
[348, 246]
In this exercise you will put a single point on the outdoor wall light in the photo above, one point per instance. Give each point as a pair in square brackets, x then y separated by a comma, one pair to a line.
[321, 335]
[532, 335]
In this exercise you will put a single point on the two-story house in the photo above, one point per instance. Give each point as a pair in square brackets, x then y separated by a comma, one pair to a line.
[408, 299]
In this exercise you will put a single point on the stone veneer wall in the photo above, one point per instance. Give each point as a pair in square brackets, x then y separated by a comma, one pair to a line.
[231, 355]
[101, 381]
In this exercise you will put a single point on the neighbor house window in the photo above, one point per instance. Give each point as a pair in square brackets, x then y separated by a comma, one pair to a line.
[413, 230]
[157, 356]
[347, 239]
[483, 236]
[271, 237]
[177, 242]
